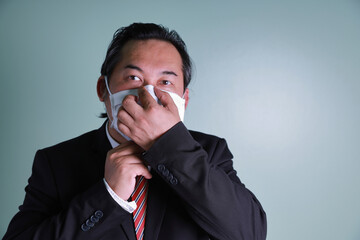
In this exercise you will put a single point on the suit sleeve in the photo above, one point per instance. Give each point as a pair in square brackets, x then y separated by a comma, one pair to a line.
[202, 175]
[89, 215]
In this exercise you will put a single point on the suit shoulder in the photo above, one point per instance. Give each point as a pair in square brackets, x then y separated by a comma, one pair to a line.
[212, 144]
[208, 141]
[83, 140]
[200, 136]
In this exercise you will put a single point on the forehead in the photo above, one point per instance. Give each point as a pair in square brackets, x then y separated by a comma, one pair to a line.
[156, 52]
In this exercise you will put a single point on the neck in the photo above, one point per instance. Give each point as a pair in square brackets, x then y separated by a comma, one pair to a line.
[114, 134]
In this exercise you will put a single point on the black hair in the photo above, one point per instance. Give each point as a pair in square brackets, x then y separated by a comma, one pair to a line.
[145, 31]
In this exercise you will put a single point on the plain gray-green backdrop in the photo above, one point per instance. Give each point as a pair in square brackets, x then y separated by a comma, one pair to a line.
[278, 79]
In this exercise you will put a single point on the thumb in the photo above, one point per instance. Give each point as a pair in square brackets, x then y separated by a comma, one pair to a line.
[142, 170]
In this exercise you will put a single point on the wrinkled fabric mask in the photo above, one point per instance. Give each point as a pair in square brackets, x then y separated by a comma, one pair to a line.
[117, 98]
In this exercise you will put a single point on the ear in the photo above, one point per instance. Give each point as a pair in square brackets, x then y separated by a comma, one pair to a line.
[186, 97]
[101, 88]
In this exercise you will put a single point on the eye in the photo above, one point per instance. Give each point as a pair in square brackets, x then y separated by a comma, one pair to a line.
[135, 78]
[166, 82]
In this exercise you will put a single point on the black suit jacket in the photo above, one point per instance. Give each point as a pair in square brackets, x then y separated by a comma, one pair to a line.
[194, 193]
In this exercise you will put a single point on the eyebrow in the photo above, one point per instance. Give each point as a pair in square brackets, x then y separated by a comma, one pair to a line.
[169, 73]
[130, 66]
[134, 67]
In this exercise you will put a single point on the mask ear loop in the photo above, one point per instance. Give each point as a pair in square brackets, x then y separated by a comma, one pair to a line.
[183, 94]
[107, 85]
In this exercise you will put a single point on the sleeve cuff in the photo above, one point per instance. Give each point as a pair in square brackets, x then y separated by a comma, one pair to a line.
[127, 206]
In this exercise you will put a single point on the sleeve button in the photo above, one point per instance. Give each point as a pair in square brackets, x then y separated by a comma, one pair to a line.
[174, 181]
[99, 214]
[94, 219]
[85, 227]
[170, 177]
[165, 172]
[89, 223]
[161, 168]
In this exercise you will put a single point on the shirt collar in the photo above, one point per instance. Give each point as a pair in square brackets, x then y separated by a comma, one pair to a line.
[112, 141]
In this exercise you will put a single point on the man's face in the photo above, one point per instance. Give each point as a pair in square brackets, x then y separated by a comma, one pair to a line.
[146, 62]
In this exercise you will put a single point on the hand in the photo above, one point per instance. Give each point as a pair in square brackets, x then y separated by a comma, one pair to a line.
[122, 165]
[147, 122]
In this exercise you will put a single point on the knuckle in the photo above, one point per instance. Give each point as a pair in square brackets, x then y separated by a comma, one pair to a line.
[121, 113]
[110, 156]
[123, 128]
[152, 110]
[142, 92]
[127, 100]
[136, 132]
[142, 121]
[146, 102]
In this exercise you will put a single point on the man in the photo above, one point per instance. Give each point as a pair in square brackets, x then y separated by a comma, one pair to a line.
[143, 174]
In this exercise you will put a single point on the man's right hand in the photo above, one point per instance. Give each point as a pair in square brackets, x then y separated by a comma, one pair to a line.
[123, 164]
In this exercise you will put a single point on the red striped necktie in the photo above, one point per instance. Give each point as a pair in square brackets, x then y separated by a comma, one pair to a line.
[140, 197]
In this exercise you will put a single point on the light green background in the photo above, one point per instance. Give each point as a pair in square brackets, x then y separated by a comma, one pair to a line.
[278, 79]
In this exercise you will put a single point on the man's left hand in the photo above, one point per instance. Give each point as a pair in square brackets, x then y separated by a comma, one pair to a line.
[147, 122]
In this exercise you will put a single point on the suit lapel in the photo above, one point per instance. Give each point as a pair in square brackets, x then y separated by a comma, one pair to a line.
[101, 146]
[128, 227]
[156, 206]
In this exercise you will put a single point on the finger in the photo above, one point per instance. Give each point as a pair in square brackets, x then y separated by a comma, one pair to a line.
[124, 130]
[130, 105]
[166, 100]
[136, 167]
[124, 117]
[143, 171]
[127, 162]
[127, 148]
[145, 98]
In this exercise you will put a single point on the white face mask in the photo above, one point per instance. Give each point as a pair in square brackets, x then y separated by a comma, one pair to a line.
[117, 98]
